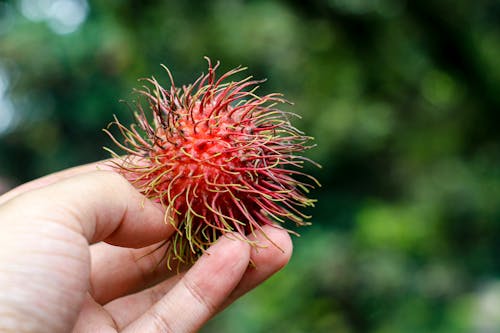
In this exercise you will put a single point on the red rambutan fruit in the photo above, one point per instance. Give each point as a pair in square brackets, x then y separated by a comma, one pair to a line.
[217, 157]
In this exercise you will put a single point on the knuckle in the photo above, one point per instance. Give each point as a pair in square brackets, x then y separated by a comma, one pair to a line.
[160, 323]
[195, 291]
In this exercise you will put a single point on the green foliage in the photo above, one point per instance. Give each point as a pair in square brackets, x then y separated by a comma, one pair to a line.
[402, 97]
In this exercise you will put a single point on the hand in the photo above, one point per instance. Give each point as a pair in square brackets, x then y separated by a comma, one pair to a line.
[77, 252]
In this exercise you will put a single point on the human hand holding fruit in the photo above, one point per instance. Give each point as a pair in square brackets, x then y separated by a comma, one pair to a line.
[201, 188]
[78, 251]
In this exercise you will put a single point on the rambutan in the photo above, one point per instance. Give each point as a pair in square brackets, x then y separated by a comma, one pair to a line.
[217, 157]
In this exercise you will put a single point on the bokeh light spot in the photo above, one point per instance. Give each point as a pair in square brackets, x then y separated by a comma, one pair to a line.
[62, 16]
[6, 108]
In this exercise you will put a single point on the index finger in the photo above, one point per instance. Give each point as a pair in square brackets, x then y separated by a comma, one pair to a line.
[99, 205]
[54, 177]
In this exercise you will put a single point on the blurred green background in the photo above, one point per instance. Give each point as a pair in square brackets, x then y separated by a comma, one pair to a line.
[402, 96]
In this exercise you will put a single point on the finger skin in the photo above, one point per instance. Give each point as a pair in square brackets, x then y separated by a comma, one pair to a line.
[44, 258]
[118, 271]
[267, 260]
[100, 206]
[100, 321]
[54, 177]
[199, 294]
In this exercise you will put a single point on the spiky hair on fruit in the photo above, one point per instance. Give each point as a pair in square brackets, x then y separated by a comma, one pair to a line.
[218, 157]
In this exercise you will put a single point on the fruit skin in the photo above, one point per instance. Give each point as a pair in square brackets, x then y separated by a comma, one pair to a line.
[217, 157]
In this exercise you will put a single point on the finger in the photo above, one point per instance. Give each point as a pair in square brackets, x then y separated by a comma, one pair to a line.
[99, 205]
[127, 309]
[202, 290]
[93, 318]
[48, 230]
[118, 271]
[273, 253]
[54, 177]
